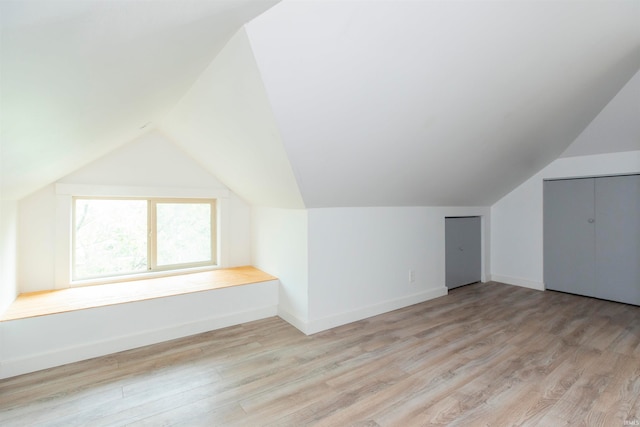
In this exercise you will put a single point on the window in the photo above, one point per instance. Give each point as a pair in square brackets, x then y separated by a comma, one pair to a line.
[122, 236]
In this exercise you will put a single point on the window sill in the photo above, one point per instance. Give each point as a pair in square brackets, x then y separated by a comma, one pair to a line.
[137, 277]
[60, 301]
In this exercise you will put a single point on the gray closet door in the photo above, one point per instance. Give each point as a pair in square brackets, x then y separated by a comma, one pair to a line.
[463, 251]
[617, 204]
[569, 236]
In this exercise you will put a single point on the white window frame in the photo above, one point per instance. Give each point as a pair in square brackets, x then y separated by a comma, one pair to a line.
[64, 227]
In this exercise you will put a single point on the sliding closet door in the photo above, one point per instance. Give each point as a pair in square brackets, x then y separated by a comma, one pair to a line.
[617, 205]
[569, 236]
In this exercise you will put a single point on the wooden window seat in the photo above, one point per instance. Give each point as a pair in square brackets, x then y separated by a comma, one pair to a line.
[64, 300]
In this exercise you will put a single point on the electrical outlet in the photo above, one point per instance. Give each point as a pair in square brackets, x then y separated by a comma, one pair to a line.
[412, 276]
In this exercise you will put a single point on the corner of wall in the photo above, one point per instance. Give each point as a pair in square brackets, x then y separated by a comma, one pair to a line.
[295, 321]
[279, 245]
[516, 281]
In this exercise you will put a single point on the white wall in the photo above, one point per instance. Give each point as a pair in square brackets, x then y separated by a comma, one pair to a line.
[42, 342]
[280, 245]
[150, 161]
[360, 260]
[8, 262]
[517, 219]
[8, 254]
[339, 265]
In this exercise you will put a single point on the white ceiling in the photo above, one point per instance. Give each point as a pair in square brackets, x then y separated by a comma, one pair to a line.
[319, 103]
[80, 78]
[226, 123]
[617, 127]
[437, 102]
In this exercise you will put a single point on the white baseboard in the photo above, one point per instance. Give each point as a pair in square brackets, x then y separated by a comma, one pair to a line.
[62, 356]
[329, 322]
[516, 281]
[293, 320]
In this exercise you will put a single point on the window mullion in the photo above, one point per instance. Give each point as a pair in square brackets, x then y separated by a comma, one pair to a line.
[214, 232]
[151, 234]
[112, 242]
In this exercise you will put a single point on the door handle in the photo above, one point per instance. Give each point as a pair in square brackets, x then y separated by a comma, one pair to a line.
[460, 248]
[591, 220]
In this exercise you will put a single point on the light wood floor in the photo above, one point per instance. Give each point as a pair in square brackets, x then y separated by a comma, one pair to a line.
[483, 355]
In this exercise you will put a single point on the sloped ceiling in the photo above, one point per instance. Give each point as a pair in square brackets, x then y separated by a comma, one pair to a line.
[80, 78]
[343, 103]
[437, 102]
[225, 121]
[617, 127]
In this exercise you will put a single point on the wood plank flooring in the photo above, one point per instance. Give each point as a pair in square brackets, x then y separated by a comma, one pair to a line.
[486, 354]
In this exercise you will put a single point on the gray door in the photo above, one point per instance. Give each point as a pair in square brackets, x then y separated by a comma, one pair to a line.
[463, 251]
[618, 238]
[569, 236]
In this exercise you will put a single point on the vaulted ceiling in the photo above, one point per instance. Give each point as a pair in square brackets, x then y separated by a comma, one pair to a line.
[314, 103]
[616, 128]
[437, 103]
[80, 78]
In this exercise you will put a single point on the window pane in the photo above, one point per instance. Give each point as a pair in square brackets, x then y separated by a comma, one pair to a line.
[183, 233]
[110, 237]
